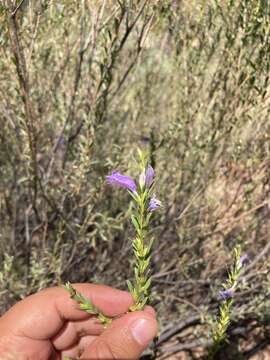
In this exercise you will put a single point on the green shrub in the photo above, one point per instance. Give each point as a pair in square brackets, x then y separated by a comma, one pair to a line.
[82, 85]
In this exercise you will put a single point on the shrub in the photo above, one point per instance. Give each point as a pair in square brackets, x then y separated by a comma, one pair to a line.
[82, 85]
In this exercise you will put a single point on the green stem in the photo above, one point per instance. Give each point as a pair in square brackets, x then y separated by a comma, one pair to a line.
[142, 252]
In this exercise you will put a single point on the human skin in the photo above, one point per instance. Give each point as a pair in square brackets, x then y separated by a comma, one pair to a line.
[49, 326]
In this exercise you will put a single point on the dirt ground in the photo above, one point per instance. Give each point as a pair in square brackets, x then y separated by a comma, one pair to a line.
[262, 355]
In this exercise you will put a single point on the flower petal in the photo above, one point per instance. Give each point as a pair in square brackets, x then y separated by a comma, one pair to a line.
[123, 181]
[243, 259]
[154, 204]
[149, 176]
[226, 294]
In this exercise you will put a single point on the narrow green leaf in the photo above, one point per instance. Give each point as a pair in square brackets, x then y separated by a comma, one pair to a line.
[130, 286]
[135, 223]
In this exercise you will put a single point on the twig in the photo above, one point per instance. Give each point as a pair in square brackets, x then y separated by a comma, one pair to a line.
[77, 78]
[263, 252]
[17, 8]
[23, 78]
[185, 347]
[191, 321]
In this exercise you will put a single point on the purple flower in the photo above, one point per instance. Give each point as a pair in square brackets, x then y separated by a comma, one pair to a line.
[243, 259]
[149, 176]
[124, 181]
[61, 141]
[154, 204]
[226, 294]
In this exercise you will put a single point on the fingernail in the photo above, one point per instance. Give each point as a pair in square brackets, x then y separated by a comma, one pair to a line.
[143, 331]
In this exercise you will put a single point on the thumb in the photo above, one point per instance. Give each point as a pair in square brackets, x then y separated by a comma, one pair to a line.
[126, 338]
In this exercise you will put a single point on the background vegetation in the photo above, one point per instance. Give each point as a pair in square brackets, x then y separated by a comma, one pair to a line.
[83, 84]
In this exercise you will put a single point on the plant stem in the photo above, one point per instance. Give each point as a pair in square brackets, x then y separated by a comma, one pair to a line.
[141, 289]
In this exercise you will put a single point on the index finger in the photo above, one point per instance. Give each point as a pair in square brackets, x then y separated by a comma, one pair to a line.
[42, 315]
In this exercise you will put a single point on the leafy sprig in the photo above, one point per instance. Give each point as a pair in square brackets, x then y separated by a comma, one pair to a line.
[140, 290]
[86, 305]
[144, 203]
[226, 296]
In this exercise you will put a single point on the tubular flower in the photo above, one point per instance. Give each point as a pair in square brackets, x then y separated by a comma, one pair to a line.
[149, 176]
[226, 294]
[243, 259]
[154, 204]
[121, 180]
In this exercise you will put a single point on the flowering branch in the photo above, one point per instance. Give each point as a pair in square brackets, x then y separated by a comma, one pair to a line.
[226, 295]
[144, 204]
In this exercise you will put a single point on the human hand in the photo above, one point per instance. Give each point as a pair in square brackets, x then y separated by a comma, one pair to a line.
[49, 326]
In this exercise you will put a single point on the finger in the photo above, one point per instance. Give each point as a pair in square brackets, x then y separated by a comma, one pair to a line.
[126, 338]
[150, 310]
[75, 351]
[72, 333]
[51, 308]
